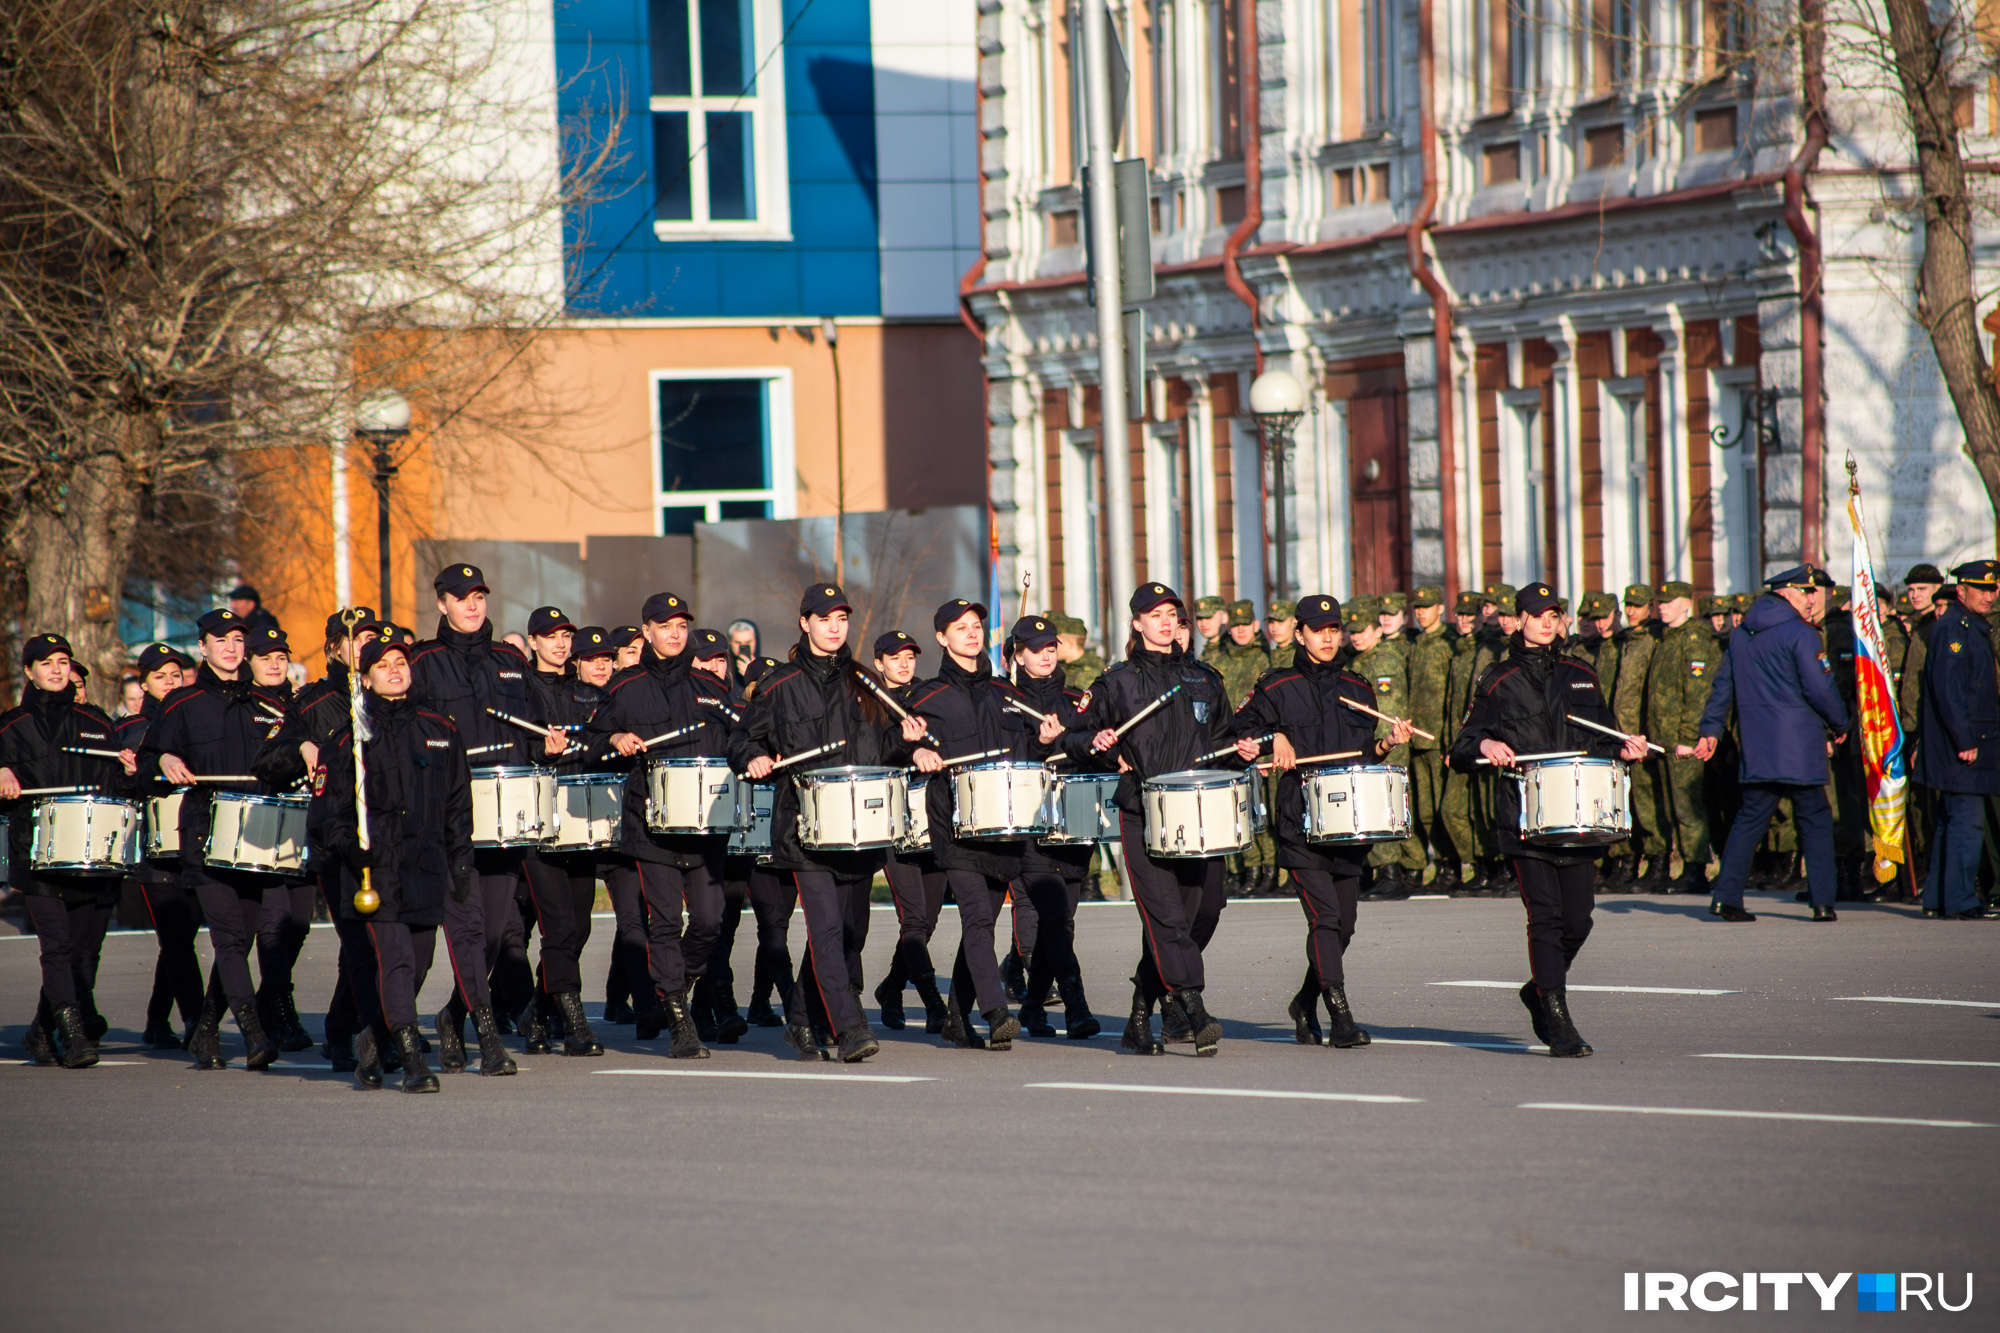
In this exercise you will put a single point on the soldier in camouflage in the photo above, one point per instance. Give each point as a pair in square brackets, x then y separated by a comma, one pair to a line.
[1428, 664]
[1080, 663]
[1398, 866]
[1679, 675]
[1211, 621]
[1652, 838]
[1281, 623]
[1455, 808]
[1242, 659]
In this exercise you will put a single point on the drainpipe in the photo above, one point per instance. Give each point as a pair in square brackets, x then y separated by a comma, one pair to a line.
[1812, 407]
[1253, 169]
[965, 285]
[1421, 270]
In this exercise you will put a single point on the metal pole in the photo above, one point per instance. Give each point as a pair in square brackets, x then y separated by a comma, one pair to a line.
[384, 470]
[1276, 442]
[1103, 203]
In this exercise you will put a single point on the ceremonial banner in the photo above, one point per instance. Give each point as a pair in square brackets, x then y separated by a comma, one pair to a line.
[1880, 730]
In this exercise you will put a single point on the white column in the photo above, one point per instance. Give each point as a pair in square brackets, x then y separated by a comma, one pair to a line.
[343, 576]
[1569, 463]
[1676, 500]
[1201, 489]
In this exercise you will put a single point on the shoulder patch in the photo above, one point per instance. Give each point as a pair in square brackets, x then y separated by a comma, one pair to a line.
[1083, 701]
[1956, 647]
[1697, 668]
[1385, 684]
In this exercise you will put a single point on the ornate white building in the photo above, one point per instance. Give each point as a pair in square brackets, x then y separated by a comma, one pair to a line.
[1614, 225]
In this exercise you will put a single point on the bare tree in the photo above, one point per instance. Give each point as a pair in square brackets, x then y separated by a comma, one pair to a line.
[223, 220]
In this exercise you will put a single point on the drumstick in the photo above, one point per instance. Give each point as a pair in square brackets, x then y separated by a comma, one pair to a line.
[1611, 731]
[1262, 741]
[1267, 765]
[521, 722]
[53, 791]
[482, 749]
[723, 709]
[666, 736]
[1530, 758]
[1026, 711]
[808, 754]
[1129, 722]
[895, 707]
[1364, 708]
[969, 758]
[225, 777]
[100, 754]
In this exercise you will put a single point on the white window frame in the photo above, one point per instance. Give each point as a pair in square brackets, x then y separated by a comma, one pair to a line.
[1081, 506]
[781, 494]
[1163, 496]
[1627, 514]
[1523, 507]
[766, 107]
[1736, 529]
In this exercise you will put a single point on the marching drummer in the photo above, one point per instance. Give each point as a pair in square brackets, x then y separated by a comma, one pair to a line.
[1521, 706]
[40, 740]
[680, 875]
[969, 713]
[177, 970]
[1308, 707]
[1178, 897]
[287, 914]
[714, 993]
[595, 653]
[822, 698]
[916, 882]
[1051, 880]
[773, 899]
[208, 738]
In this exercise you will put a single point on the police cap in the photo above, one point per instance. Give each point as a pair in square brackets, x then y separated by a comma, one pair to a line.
[1318, 611]
[823, 599]
[1978, 573]
[44, 646]
[1535, 599]
[662, 607]
[548, 620]
[1033, 632]
[1149, 595]
[460, 580]
[267, 639]
[214, 624]
[592, 641]
[952, 611]
[895, 641]
[364, 619]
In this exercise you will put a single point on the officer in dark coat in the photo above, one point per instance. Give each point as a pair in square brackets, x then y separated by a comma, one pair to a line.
[1789, 715]
[1958, 757]
[176, 923]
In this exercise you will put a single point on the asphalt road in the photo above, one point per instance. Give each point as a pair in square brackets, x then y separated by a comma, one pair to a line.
[1411, 1185]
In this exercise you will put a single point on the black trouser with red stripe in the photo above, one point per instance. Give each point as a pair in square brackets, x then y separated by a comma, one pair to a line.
[670, 892]
[70, 931]
[402, 957]
[1045, 922]
[232, 902]
[1329, 901]
[177, 971]
[628, 939]
[1180, 902]
[286, 922]
[975, 973]
[917, 887]
[475, 930]
[353, 968]
[563, 888]
[833, 954]
[773, 895]
[1558, 899]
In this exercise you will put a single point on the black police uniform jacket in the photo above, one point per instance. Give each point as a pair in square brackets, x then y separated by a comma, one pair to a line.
[419, 815]
[131, 731]
[1048, 694]
[809, 702]
[214, 726]
[318, 713]
[32, 737]
[568, 705]
[1192, 723]
[656, 696]
[906, 695]
[1523, 701]
[1961, 709]
[1303, 702]
[463, 675]
[967, 714]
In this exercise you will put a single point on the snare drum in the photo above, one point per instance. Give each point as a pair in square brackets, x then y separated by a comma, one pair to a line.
[1081, 809]
[753, 831]
[513, 805]
[1202, 812]
[1007, 798]
[163, 824]
[853, 808]
[247, 831]
[590, 807]
[1575, 802]
[85, 834]
[918, 839]
[692, 794]
[1363, 804]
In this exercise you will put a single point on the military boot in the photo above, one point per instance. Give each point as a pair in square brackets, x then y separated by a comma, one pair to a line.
[729, 1025]
[41, 1050]
[701, 1007]
[799, 1036]
[1014, 971]
[292, 1034]
[1139, 1038]
[367, 1060]
[534, 1027]
[79, 1048]
[1341, 1028]
[686, 1042]
[1034, 1009]
[1001, 1029]
[494, 1062]
[889, 999]
[417, 1076]
[1564, 1040]
[1203, 1030]
[260, 1052]
[205, 1042]
[451, 1036]
[578, 1039]
[857, 1044]
[650, 1018]
[1079, 1024]
[1304, 1012]
[924, 978]
[1538, 1018]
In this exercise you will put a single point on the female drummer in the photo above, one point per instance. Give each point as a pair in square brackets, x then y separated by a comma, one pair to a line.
[1051, 879]
[968, 713]
[1178, 897]
[818, 699]
[287, 909]
[177, 968]
[419, 852]
[38, 738]
[1520, 707]
[1302, 706]
[916, 882]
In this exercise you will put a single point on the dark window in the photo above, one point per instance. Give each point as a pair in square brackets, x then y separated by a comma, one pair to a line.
[667, 34]
[675, 200]
[679, 520]
[745, 509]
[725, 67]
[1062, 228]
[1603, 146]
[1715, 130]
[712, 436]
[1229, 205]
[1503, 162]
[732, 189]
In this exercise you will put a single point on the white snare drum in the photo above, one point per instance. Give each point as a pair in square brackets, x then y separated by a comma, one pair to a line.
[1081, 809]
[513, 805]
[918, 838]
[163, 824]
[692, 794]
[753, 831]
[1575, 802]
[853, 808]
[590, 807]
[1362, 804]
[1202, 812]
[1007, 798]
[247, 831]
[84, 834]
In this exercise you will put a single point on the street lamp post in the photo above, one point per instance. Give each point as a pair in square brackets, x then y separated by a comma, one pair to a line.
[1278, 404]
[381, 420]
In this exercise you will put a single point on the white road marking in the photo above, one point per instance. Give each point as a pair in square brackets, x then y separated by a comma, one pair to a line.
[101, 1064]
[767, 1073]
[1618, 990]
[1849, 1059]
[1227, 1092]
[1758, 1115]
[1911, 999]
[1431, 1041]
[1427, 897]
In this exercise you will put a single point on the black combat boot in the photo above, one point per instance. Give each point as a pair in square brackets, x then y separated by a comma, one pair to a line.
[1341, 1029]
[1538, 1017]
[451, 1036]
[925, 980]
[857, 1044]
[493, 1058]
[686, 1043]
[958, 1029]
[1501, 883]
[1139, 1038]
[534, 1028]
[579, 1039]
[205, 1042]
[260, 1052]
[1304, 1011]
[78, 1047]
[1824, 912]
[701, 1007]
[41, 1050]
[651, 1017]
[799, 1036]
[367, 1060]
[729, 1025]
[1203, 1030]
[762, 1015]
[290, 1032]
[1014, 971]
[889, 999]
[1564, 1040]
[855, 992]
[1034, 1009]
[1079, 1023]
[417, 1076]
[1729, 912]
[1447, 881]
[1174, 1030]
[1001, 1029]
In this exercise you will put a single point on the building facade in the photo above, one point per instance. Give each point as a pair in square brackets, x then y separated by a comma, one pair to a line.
[1597, 199]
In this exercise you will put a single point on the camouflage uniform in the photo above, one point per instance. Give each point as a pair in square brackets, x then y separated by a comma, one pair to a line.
[1084, 671]
[1679, 675]
[1651, 833]
[1281, 655]
[1455, 809]
[1383, 668]
[1204, 607]
[1240, 664]
[1428, 664]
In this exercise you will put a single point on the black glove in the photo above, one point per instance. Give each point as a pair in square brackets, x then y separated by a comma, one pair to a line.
[461, 885]
[358, 858]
